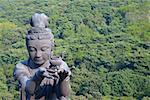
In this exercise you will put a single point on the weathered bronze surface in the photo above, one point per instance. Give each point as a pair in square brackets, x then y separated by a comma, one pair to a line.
[42, 76]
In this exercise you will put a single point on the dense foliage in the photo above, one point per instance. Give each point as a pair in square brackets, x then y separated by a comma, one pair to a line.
[107, 41]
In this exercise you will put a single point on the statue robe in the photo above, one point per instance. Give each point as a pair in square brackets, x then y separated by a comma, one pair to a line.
[23, 72]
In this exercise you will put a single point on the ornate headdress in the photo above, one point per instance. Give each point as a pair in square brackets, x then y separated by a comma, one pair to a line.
[39, 30]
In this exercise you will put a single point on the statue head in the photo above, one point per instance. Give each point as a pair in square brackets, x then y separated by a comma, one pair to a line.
[39, 40]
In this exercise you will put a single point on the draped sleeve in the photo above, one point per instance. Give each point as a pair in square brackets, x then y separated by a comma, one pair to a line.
[21, 73]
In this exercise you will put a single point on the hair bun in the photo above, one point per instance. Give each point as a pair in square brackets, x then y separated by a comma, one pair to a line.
[39, 20]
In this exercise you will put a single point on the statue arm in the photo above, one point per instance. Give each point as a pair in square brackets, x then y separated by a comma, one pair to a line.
[21, 74]
[33, 83]
[65, 88]
[65, 81]
[28, 84]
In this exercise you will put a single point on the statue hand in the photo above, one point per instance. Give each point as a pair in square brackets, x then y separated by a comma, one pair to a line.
[47, 75]
[53, 73]
[64, 72]
[47, 81]
[61, 66]
[43, 72]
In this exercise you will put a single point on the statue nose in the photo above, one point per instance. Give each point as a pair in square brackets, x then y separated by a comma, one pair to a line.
[38, 54]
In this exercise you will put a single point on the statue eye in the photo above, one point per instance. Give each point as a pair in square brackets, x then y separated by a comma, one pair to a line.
[32, 49]
[44, 48]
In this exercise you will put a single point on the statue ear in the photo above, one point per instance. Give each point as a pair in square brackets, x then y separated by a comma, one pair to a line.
[31, 22]
[51, 54]
[52, 46]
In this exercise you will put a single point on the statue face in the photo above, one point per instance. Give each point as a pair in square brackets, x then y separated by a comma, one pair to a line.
[39, 51]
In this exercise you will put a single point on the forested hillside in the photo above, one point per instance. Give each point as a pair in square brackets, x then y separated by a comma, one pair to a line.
[105, 42]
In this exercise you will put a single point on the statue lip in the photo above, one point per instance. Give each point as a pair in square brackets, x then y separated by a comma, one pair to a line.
[38, 59]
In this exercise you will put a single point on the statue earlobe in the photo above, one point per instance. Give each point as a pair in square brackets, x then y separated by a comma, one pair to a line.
[31, 22]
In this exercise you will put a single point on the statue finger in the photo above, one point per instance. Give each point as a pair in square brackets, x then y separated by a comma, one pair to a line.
[47, 75]
[60, 70]
[51, 70]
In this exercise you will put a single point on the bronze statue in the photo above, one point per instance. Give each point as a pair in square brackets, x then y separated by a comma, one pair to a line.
[42, 76]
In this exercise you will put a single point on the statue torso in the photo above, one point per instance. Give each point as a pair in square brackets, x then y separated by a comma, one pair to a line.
[46, 90]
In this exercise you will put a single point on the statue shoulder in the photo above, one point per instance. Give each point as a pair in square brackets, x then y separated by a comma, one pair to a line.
[20, 68]
[21, 65]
